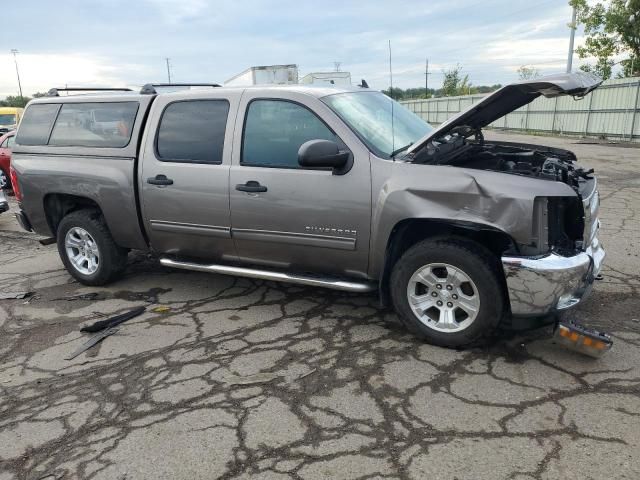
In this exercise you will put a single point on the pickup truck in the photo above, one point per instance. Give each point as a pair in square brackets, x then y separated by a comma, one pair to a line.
[331, 187]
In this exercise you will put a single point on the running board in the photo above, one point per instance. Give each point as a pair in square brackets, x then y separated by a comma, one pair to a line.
[326, 282]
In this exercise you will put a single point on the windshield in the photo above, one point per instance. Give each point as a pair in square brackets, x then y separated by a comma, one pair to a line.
[7, 118]
[369, 115]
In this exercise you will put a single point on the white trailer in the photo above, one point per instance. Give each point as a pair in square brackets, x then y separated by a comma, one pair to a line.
[265, 75]
[342, 79]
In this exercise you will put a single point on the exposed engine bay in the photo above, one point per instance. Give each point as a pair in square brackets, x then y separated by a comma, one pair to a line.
[514, 158]
[563, 217]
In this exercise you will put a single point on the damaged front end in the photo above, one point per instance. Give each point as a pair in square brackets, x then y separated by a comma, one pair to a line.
[562, 277]
[555, 269]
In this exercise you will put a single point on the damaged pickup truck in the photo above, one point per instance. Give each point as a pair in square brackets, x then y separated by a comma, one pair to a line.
[330, 187]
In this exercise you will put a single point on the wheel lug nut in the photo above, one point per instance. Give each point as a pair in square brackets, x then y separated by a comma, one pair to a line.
[449, 287]
[449, 304]
[439, 287]
[454, 296]
[439, 303]
[434, 294]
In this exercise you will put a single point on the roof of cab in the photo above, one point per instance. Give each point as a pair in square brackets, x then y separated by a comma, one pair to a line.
[315, 91]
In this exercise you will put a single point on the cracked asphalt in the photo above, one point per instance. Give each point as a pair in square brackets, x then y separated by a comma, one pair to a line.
[239, 378]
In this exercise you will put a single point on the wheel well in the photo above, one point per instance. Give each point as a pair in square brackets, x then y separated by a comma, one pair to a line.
[58, 205]
[411, 231]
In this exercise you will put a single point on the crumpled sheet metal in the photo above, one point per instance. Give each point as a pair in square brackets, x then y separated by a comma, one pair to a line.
[493, 200]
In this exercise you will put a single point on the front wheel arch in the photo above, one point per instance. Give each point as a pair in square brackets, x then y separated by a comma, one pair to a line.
[409, 232]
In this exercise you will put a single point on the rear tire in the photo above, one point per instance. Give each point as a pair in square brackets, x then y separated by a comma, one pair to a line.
[448, 291]
[88, 250]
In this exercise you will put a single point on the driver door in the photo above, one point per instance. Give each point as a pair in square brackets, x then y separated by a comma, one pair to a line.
[297, 218]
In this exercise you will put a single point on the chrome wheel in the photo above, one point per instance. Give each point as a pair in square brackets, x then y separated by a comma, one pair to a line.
[3, 180]
[443, 297]
[82, 251]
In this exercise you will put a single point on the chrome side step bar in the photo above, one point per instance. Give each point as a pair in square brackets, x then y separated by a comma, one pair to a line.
[326, 282]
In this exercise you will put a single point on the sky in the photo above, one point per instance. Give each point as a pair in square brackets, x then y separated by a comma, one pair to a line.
[124, 43]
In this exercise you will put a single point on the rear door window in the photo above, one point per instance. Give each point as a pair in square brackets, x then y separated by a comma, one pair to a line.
[36, 124]
[192, 131]
[94, 124]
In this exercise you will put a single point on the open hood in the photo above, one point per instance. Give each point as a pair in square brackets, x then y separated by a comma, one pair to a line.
[510, 98]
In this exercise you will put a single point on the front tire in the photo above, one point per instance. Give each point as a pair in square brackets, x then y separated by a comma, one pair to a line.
[88, 250]
[448, 291]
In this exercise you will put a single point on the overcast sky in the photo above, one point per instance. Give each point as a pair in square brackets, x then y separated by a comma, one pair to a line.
[124, 43]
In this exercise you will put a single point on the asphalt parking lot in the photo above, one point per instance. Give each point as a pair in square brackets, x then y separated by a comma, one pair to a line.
[236, 378]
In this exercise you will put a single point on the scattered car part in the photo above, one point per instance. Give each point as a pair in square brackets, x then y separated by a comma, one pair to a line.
[113, 321]
[162, 309]
[91, 342]
[582, 339]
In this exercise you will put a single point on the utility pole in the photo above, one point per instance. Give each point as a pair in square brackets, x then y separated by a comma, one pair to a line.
[426, 80]
[572, 26]
[15, 60]
[390, 72]
[168, 69]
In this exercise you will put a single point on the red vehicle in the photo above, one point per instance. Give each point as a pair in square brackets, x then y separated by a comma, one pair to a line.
[6, 143]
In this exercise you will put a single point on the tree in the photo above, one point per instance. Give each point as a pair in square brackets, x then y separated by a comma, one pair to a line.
[527, 73]
[454, 83]
[612, 28]
[14, 101]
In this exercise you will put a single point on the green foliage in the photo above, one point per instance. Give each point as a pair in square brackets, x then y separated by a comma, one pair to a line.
[14, 101]
[18, 101]
[418, 93]
[611, 27]
[454, 83]
[527, 73]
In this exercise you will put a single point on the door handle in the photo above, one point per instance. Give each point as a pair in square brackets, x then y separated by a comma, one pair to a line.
[160, 180]
[251, 186]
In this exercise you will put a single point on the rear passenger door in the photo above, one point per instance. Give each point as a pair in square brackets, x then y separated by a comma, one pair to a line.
[184, 177]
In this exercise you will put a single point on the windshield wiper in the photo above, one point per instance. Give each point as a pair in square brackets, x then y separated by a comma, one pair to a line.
[398, 150]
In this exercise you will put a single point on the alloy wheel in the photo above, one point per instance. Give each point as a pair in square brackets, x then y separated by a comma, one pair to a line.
[443, 297]
[82, 251]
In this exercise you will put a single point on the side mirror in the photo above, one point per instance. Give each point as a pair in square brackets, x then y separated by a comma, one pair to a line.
[323, 154]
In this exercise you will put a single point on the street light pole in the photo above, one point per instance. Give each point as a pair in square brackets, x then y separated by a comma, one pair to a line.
[168, 69]
[15, 60]
[572, 26]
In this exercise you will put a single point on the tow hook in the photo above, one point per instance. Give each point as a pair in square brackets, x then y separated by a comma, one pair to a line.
[581, 339]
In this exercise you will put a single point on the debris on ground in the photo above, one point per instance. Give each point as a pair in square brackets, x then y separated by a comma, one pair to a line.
[113, 321]
[105, 328]
[85, 296]
[581, 339]
[162, 309]
[92, 342]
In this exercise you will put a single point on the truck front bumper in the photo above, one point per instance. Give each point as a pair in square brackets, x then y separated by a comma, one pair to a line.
[551, 283]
